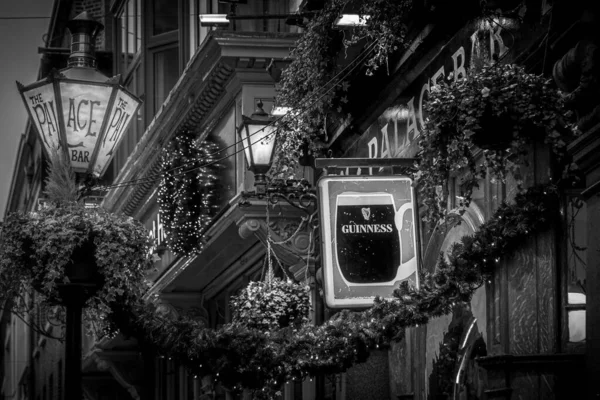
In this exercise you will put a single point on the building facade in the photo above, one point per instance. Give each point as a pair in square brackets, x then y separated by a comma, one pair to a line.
[190, 77]
[523, 335]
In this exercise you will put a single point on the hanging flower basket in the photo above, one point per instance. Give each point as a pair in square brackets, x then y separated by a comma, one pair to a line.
[270, 305]
[496, 131]
[107, 253]
[500, 109]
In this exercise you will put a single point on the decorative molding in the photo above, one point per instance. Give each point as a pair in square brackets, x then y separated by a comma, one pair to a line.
[290, 235]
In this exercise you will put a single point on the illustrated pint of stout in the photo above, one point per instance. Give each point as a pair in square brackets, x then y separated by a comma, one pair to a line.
[367, 238]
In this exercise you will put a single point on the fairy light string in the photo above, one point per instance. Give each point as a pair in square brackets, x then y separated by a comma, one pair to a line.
[188, 202]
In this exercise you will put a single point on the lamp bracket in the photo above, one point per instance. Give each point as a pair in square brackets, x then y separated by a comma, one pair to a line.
[297, 193]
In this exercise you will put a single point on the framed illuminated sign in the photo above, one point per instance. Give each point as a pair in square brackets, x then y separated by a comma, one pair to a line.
[368, 237]
[79, 111]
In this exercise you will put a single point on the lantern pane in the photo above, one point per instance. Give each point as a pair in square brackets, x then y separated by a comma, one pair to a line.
[123, 108]
[84, 108]
[41, 106]
[246, 144]
[262, 140]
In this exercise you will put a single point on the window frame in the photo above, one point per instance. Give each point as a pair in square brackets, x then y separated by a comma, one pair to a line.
[157, 43]
[118, 39]
[565, 306]
[132, 72]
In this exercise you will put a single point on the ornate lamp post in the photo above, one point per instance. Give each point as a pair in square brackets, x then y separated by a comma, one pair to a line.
[257, 135]
[82, 113]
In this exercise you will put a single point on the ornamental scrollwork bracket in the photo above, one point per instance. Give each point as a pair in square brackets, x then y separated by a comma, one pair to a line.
[293, 237]
[297, 193]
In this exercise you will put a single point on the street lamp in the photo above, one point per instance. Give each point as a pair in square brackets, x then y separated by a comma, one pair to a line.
[83, 114]
[257, 134]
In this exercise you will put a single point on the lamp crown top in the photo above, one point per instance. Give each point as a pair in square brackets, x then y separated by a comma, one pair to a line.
[84, 30]
[260, 112]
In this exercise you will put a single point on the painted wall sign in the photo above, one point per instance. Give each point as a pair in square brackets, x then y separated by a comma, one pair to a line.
[368, 237]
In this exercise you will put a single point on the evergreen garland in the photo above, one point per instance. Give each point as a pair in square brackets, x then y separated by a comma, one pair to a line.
[238, 356]
[187, 193]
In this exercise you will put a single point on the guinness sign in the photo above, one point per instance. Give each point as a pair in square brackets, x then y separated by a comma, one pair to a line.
[368, 237]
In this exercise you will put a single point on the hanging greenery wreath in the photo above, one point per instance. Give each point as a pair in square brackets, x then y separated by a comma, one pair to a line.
[500, 109]
[47, 248]
[188, 192]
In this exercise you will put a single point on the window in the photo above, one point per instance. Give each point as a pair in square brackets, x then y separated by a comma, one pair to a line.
[130, 24]
[129, 32]
[163, 52]
[225, 139]
[264, 7]
[254, 8]
[150, 63]
[576, 243]
[198, 33]
[166, 73]
[165, 17]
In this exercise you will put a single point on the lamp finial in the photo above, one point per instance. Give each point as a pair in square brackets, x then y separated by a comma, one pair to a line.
[84, 30]
[260, 112]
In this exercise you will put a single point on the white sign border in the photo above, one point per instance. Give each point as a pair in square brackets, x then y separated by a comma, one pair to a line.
[326, 237]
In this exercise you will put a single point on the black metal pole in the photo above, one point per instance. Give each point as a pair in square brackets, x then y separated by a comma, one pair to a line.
[74, 298]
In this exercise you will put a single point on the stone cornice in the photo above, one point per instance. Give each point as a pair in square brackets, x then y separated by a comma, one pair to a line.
[197, 93]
